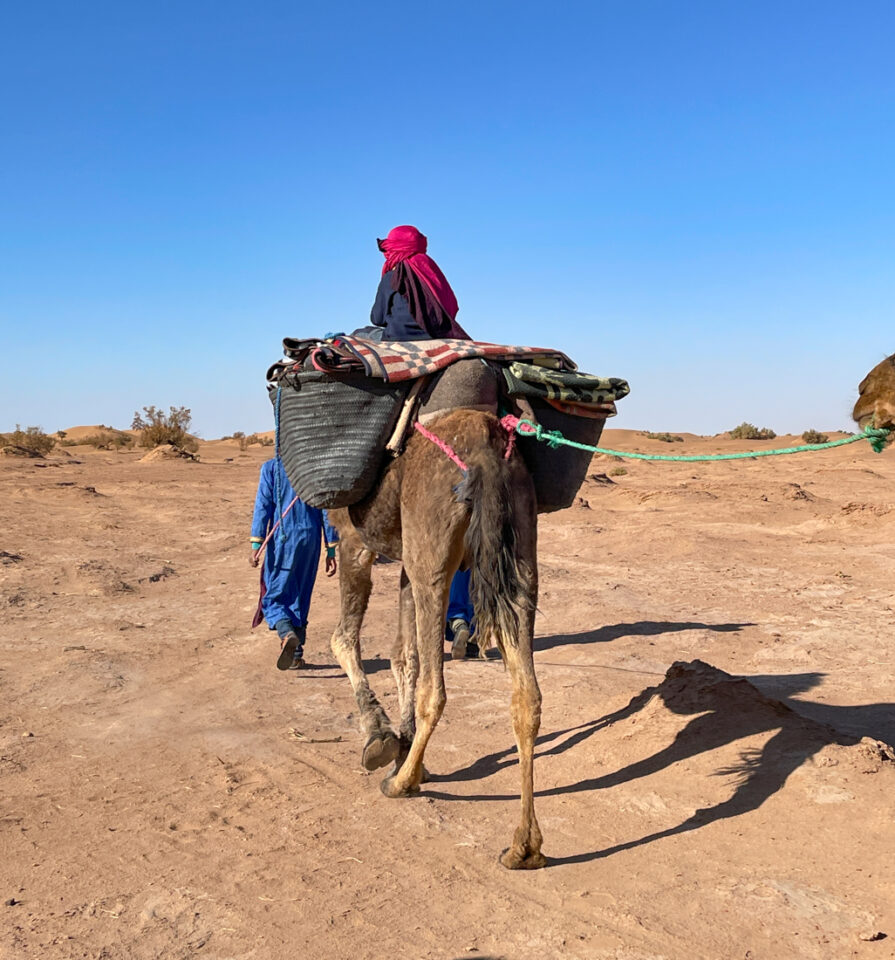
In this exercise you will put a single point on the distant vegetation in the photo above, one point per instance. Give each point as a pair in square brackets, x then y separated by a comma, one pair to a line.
[618, 472]
[32, 439]
[747, 431]
[814, 436]
[246, 441]
[665, 437]
[157, 427]
[109, 439]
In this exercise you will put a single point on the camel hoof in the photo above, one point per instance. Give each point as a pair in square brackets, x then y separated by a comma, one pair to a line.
[379, 751]
[396, 769]
[393, 792]
[519, 860]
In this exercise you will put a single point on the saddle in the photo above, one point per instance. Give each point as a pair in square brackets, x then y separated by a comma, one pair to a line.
[345, 404]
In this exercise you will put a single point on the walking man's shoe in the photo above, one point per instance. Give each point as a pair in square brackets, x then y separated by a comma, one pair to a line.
[460, 629]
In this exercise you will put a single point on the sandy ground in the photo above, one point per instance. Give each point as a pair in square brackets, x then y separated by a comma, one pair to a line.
[165, 792]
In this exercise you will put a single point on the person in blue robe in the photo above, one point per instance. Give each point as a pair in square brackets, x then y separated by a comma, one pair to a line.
[291, 561]
[460, 624]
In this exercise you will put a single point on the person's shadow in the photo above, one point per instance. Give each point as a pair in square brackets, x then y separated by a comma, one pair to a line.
[729, 709]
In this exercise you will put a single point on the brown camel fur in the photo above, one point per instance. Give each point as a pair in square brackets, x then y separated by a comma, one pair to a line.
[428, 515]
[876, 400]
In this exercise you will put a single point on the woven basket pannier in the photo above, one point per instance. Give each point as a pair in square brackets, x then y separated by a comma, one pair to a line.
[333, 432]
[558, 472]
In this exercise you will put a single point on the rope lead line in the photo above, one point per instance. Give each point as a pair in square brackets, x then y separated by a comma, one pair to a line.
[554, 439]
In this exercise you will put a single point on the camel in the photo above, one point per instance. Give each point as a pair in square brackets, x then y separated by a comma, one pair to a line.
[428, 514]
[876, 400]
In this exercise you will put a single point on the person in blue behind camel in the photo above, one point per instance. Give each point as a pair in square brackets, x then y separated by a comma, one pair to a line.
[290, 566]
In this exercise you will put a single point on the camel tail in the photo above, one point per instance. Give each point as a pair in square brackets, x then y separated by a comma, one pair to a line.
[498, 582]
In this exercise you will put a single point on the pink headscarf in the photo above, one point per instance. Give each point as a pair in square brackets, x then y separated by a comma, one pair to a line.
[407, 245]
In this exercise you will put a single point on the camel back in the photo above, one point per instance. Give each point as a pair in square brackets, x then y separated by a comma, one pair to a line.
[477, 385]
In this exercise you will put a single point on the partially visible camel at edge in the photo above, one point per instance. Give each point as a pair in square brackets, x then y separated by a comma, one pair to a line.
[876, 400]
[425, 513]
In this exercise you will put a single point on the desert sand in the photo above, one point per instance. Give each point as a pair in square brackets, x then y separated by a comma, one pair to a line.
[165, 792]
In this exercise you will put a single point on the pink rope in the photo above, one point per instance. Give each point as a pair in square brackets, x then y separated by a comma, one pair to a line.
[445, 448]
[273, 529]
[509, 423]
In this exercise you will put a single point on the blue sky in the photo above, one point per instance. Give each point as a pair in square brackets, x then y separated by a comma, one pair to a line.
[696, 196]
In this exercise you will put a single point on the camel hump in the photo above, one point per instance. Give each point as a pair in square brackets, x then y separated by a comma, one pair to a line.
[467, 385]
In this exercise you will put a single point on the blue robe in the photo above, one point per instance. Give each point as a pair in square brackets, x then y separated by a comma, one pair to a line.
[459, 604]
[293, 552]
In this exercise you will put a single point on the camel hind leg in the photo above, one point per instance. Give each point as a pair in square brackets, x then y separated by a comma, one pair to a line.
[406, 668]
[432, 554]
[502, 543]
[525, 851]
[431, 605]
[355, 583]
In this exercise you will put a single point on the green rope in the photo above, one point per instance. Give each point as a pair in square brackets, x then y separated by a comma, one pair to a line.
[554, 439]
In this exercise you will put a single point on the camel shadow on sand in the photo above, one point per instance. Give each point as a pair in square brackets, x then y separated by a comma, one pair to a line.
[725, 709]
[606, 634]
[638, 628]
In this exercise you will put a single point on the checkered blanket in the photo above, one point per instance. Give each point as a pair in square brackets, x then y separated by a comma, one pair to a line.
[398, 360]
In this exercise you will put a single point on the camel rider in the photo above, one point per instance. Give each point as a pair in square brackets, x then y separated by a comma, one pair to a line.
[291, 561]
[415, 302]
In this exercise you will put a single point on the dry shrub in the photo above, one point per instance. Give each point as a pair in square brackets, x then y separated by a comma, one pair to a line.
[618, 472]
[747, 431]
[108, 441]
[664, 437]
[246, 441]
[32, 439]
[157, 427]
[815, 436]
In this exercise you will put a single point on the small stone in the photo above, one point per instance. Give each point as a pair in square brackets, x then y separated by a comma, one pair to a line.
[12, 902]
[871, 935]
[27, 734]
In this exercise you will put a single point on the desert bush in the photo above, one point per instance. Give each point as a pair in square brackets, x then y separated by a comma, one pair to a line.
[108, 441]
[31, 438]
[815, 436]
[618, 472]
[246, 441]
[157, 427]
[747, 431]
[665, 437]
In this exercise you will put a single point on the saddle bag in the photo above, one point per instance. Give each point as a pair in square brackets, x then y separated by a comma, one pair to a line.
[558, 472]
[333, 429]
